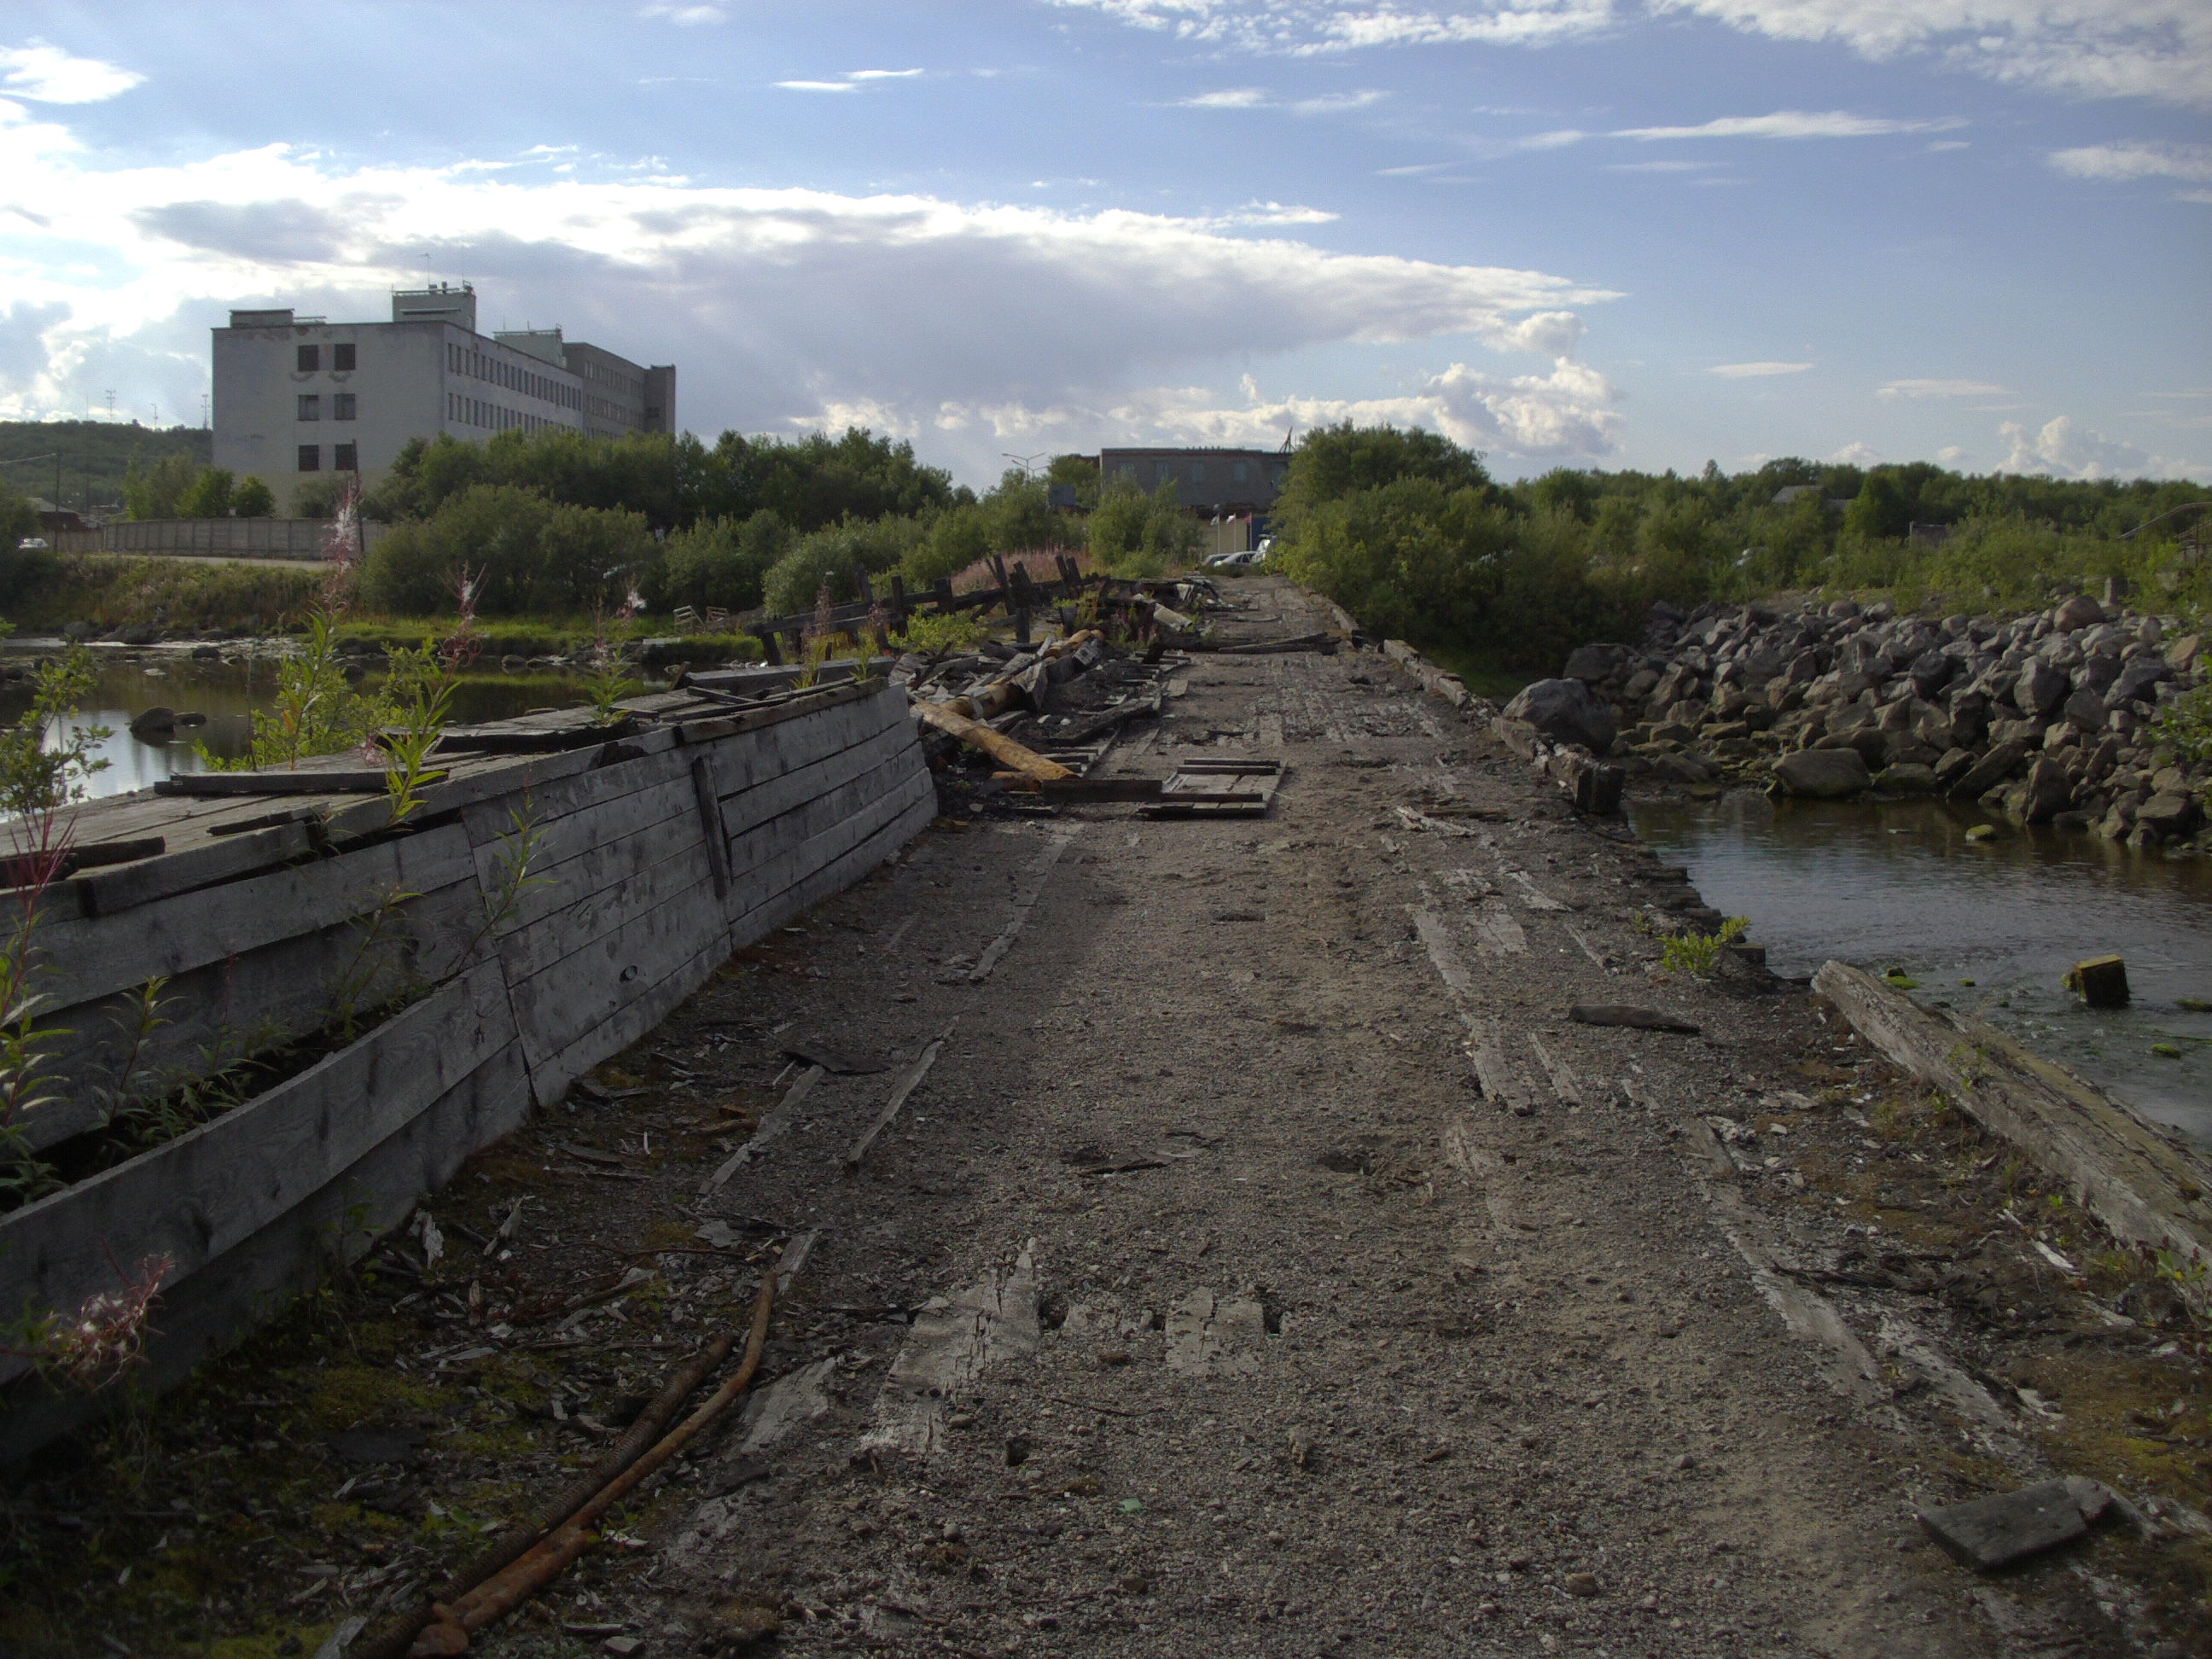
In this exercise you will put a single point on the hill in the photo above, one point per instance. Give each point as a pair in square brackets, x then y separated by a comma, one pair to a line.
[94, 455]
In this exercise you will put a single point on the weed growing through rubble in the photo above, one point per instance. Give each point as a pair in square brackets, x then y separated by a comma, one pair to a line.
[420, 689]
[606, 675]
[936, 636]
[1699, 953]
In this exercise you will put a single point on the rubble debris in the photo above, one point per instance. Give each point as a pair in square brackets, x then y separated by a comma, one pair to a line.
[814, 1051]
[2101, 982]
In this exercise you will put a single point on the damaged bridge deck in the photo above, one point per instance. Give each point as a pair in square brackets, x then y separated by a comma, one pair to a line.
[1260, 1261]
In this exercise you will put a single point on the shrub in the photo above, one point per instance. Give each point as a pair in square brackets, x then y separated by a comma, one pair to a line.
[209, 496]
[530, 554]
[721, 561]
[1134, 534]
[840, 559]
[253, 499]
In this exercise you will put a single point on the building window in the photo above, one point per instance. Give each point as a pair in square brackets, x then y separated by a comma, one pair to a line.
[311, 457]
[342, 405]
[310, 406]
[309, 358]
[1239, 471]
[346, 458]
[341, 359]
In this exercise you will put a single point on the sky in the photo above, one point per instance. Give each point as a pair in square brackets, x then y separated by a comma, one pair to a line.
[1564, 233]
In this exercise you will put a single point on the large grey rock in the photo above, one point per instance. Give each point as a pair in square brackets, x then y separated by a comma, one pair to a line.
[1907, 779]
[1593, 662]
[2047, 793]
[1990, 1532]
[2167, 814]
[2085, 709]
[2138, 682]
[1822, 773]
[2080, 612]
[2040, 688]
[1932, 671]
[1565, 711]
[1992, 769]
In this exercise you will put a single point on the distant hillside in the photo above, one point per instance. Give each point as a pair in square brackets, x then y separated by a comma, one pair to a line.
[94, 455]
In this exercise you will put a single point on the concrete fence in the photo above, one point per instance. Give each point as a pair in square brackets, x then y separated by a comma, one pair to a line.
[263, 538]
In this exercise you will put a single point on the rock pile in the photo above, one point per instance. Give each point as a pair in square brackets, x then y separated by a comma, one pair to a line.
[2045, 717]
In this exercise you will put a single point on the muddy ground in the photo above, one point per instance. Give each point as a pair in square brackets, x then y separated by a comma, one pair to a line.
[1265, 1266]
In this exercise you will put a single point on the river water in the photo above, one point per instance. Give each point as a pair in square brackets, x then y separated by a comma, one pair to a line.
[228, 693]
[1989, 927]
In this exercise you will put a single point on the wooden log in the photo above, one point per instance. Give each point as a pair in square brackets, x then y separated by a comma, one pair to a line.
[1000, 747]
[771, 1130]
[334, 781]
[2147, 1189]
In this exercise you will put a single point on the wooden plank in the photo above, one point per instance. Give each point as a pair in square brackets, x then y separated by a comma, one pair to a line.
[778, 795]
[771, 1130]
[212, 1017]
[239, 1290]
[330, 780]
[195, 1197]
[752, 850]
[110, 893]
[552, 1072]
[83, 959]
[583, 853]
[620, 884]
[580, 790]
[803, 876]
[768, 752]
[711, 826]
[909, 1081]
[2146, 1189]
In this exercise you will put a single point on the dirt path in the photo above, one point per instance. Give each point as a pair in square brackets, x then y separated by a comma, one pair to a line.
[1258, 1328]
[1265, 1266]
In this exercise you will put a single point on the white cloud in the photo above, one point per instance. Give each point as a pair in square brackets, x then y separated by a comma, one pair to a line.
[2137, 158]
[2067, 451]
[781, 305]
[1793, 124]
[1857, 454]
[2160, 49]
[1950, 454]
[1659, 166]
[851, 80]
[1755, 371]
[818, 86]
[1328, 103]
[881, 75]
[47, 74]
[1896, 389]
[684, 16]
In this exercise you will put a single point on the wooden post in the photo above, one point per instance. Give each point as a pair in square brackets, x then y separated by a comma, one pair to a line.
[940, 594]
[773, 649]
[898, 601]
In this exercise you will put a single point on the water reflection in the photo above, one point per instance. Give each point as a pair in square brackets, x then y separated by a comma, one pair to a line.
[1987, 926]
[228, 693]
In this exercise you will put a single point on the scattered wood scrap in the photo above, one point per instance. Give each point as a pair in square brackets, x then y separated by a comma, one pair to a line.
[1639, 1019]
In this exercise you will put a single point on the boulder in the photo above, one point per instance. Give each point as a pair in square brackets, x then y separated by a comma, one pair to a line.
[2078, 612]
[2085, 709]
[1592, 663]
[2138, 681]
[1822, 773]
[1907, 779]
[2167, 815]
[1991, 770]
[2040, 688]
[1565, 711]
[2047, 793]
[2183, 652]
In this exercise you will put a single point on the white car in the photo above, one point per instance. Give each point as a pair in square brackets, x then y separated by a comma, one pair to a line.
[32, 544]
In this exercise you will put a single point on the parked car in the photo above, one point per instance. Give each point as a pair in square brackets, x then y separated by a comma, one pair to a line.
[32, 544]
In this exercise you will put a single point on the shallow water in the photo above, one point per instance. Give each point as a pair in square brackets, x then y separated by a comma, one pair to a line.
[228, 693]
[1989, 927]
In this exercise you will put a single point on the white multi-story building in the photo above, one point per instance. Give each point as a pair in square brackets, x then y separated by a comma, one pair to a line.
[298, 396]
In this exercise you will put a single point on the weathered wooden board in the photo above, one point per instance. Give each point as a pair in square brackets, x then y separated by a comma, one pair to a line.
[753, 851]
[195, 1197]
[234, 1293]
[777, 795]
[581, 853]
[215, 1015]
[792, 743]
[80, 960]
[2147, 1189]
[622, 887]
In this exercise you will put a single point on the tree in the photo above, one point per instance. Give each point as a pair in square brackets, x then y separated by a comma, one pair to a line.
[19, 519]
[1332, 462]
[1134, 534]
[252, 499]
[721, 561]
[208, 497]
[152, 492]
[1879, 512]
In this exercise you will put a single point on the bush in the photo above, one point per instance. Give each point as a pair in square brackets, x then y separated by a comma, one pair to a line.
[209, 496]
[721, 561]
[253, 499]
[152, 492]
[841, 559]
[1134, 534]
[529, 555]
[956, 538]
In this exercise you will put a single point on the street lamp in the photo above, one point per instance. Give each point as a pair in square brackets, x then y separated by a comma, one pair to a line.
[1025, 462]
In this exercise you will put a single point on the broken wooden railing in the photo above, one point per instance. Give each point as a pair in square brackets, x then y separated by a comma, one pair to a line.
[560, 887]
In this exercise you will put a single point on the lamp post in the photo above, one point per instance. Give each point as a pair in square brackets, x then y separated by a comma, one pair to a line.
[1025, 462]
